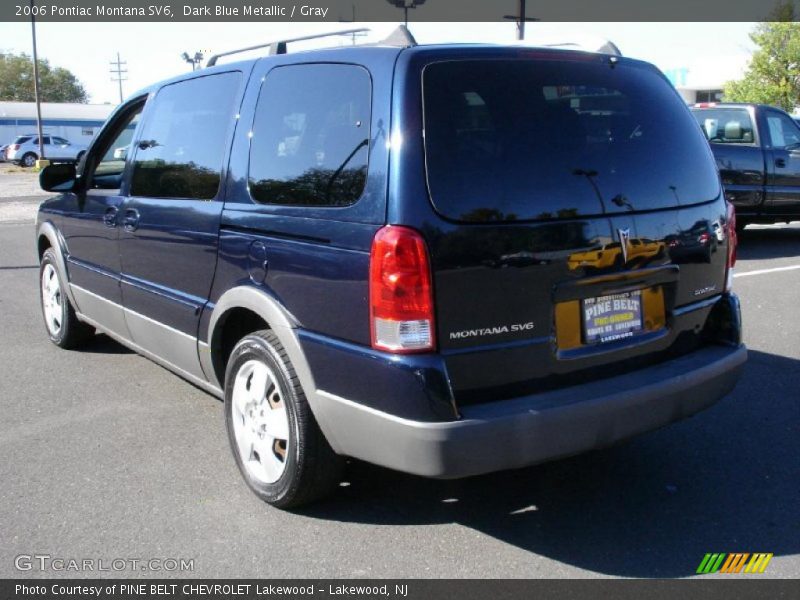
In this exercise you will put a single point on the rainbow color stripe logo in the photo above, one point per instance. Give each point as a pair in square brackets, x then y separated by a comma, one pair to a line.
[735, 562]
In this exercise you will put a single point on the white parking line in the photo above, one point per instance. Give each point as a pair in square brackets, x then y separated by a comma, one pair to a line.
[764, 271]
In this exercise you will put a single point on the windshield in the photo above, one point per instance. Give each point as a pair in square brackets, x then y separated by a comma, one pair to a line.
[513, 140]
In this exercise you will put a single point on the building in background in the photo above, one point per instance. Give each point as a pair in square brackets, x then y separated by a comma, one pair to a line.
[76, 122]
[701, 79]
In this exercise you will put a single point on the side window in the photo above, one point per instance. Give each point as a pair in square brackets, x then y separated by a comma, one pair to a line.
[106, 165]
[58, 140]
[782, 130]
[46, 140]
[182, 144]
[310, 144]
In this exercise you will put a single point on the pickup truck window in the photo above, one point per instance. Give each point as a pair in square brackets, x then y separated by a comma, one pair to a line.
[726, 125]
[783, 131]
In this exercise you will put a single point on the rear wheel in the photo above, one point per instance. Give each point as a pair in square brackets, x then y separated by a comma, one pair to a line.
[278, 446]
[63, 326]
[28, 160]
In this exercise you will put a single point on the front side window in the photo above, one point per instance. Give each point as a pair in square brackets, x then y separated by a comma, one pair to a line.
[783, 131]
[182, 145]
[106, 165]
[310, 142]
[725, 125]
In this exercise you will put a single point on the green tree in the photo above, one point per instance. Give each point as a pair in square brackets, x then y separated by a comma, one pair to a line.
[55, 83]
[773, 75]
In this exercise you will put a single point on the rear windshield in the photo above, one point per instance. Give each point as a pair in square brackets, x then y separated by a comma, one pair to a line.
[22, 139]
[521, 139]
[725, 125]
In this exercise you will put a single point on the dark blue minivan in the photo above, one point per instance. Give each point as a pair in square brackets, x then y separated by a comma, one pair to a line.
[446, 260]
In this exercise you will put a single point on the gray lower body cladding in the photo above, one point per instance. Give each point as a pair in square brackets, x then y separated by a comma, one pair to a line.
[532, 429]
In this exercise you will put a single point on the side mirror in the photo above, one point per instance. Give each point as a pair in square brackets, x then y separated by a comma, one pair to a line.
[60, 177]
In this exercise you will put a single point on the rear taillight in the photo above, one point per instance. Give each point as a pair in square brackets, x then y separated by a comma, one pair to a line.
[400, 292]
[733, 241]
[14, 146]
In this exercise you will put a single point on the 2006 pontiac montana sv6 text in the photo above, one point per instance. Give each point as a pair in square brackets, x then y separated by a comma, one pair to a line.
[446, 260]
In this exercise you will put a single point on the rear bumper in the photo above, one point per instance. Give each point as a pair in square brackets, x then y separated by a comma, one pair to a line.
[523, 431]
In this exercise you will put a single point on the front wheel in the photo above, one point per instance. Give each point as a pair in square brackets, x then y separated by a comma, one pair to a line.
[28, 160]
[63, 326]
[278, 446]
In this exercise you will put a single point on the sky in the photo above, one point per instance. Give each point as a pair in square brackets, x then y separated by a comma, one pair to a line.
[153, 51]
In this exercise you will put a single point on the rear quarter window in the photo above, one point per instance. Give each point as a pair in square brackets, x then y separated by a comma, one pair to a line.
[310, 140]
[526, 139]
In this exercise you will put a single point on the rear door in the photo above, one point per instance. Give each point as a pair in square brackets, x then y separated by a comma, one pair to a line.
[783, 164]
[170, 220]
[577, 213]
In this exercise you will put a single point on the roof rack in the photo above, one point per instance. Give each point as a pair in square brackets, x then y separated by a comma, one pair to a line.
[279, 46]
[400, 37]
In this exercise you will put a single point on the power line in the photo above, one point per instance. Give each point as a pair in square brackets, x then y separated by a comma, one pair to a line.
[116, 68]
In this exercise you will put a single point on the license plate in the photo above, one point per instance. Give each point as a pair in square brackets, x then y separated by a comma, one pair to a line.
[609, 318]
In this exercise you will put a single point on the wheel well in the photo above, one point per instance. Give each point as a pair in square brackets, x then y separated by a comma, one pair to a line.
[233, 326]
[42, 244]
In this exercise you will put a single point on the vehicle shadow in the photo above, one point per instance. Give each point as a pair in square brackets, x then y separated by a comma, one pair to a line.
[723, 481]
[771, 242]
[102, 344]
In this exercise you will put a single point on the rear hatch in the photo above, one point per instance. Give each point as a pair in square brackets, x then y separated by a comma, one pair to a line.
[579, 227]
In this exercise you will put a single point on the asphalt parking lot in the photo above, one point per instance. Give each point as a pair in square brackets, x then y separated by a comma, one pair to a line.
[106, 455]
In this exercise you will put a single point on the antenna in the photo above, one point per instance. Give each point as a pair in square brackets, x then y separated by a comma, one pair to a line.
[116, 68]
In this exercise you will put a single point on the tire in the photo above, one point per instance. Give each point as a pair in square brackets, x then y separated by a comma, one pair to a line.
[62, 325]
[295, 465]
[28, 160]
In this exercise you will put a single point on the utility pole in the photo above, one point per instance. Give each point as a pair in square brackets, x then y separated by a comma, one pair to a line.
[521, 19]
[116, 68]
[194, 60]
[36, 84]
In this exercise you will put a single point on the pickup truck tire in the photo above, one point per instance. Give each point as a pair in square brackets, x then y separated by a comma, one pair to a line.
[62, 325]
[278, 446]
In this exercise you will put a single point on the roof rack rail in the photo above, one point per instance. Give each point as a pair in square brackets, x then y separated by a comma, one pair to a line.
[279, 46]
[400, 37]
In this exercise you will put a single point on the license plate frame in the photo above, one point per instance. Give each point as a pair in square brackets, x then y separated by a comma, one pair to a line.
[612, 317]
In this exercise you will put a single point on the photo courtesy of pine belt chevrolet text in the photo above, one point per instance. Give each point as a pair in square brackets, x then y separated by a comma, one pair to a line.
[446, 260]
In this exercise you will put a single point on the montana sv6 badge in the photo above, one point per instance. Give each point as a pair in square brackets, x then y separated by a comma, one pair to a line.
[513, 328]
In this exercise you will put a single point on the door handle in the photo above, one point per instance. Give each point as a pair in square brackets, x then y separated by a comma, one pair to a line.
[780, 162]
[130, 222]
[110, 216]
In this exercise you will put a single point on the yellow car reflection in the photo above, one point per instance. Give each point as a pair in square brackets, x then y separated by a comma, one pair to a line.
[610, 254]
